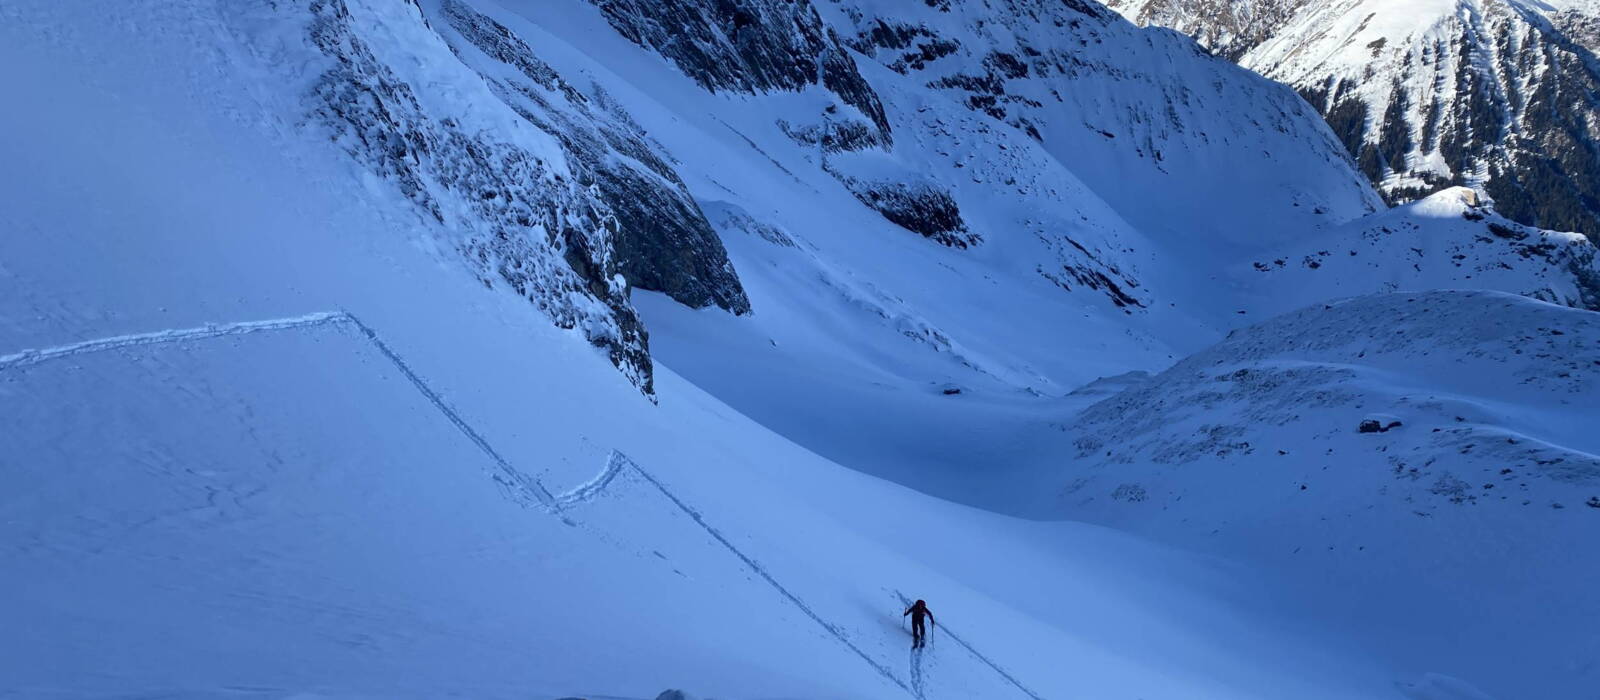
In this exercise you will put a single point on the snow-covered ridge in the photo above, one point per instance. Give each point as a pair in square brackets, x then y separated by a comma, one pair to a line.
[1142, 116]
[1228, 28]
[1429, 450]
[543, 187]
[1499, 95]
[1449, 240]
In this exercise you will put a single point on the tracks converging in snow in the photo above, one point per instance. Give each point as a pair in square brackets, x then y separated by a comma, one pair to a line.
[916, 657]
[526, 489]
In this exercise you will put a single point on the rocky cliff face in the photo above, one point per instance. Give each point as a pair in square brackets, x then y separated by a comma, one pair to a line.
[548, 189]
[524, 221]
[753, 46]
[663, 242]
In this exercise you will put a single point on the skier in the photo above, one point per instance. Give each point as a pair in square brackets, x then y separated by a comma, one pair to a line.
[918, 634]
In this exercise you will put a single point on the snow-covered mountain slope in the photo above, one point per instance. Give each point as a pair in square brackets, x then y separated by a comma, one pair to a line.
[290, 424]
[1499, 95]
[264, 434]
[1432, 455]
[1449, 240]
[913, 212]
[1490, 94]
[1228, 28]
[1142, 116]
[535, 184]
[1052, 287]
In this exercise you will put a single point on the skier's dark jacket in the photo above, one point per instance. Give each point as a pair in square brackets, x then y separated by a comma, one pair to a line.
[916, 611]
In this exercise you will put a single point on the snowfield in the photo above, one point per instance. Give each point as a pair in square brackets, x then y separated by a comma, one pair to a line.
[495, 348]
[1430, 454]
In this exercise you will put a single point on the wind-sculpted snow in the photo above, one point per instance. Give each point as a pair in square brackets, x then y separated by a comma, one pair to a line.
[360, 508]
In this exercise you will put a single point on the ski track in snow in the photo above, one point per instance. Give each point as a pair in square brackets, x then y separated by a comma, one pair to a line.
[916, 671]
[916, 659]
[761, 571]
[33, 357]
[524, 488]
[587, 491]
[530, 488]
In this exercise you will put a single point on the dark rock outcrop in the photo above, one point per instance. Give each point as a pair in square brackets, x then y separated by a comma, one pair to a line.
[663, 241]
[917, 207]
[1376, 426]
[520, 222]
[748, 46]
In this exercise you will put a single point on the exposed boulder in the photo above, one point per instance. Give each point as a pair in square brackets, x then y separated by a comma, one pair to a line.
[1371, 425]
